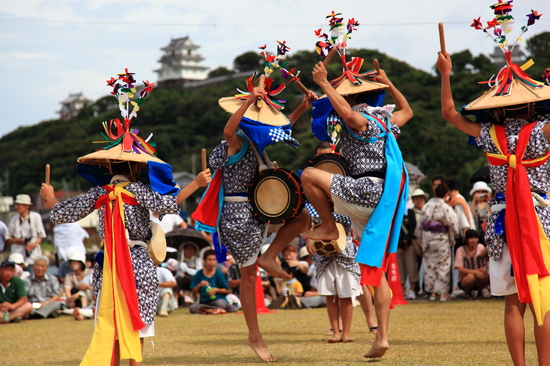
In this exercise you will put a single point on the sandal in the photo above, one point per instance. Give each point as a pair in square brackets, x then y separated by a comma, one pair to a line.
[373, 330]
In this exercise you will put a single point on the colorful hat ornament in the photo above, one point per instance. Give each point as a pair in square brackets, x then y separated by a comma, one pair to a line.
[268, 112]
[352, 81]
[512, 86]
[124, 142]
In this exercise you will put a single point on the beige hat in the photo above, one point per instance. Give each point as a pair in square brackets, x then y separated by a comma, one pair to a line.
[17, 258]
[522, 93]
[303, 252]
[77, 257]
[264, 114]
[23, 199]
[419, 192]
[102, 157]
[480, 186]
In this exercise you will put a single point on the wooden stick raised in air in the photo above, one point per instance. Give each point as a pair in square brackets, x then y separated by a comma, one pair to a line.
[442, 39]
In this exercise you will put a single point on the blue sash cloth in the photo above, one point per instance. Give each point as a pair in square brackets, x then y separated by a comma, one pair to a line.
[381, 233]
[263, 134]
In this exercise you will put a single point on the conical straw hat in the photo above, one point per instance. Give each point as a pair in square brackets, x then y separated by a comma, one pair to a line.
[264, 114]
[346, 87]
[102, 157]
[521, 94]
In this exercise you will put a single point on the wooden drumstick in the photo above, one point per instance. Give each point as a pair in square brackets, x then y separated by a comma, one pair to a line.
[47, 177]
[376, 66]
[442, 39]
[203, 159]
[329, 56]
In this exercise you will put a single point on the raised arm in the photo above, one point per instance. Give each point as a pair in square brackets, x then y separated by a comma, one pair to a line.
[445, 65]
[234, 141]
[352, 118]
[404, 112]
[304, 106]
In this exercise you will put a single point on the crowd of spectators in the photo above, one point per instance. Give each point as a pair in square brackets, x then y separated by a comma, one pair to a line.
[441, 250]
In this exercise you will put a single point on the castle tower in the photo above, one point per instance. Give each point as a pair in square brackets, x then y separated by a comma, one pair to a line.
[180, 63]
[72, 105]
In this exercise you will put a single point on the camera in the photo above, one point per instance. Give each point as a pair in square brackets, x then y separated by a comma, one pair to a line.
[483, 195]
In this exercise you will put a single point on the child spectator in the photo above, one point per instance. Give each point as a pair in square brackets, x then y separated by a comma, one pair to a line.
[210, 283]
[291, 292]
[167, 301]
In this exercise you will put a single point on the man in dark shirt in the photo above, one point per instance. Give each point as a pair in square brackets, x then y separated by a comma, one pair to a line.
[13, 298]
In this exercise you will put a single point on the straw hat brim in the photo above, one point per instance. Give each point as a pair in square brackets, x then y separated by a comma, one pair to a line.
[346, 87]
[265, 114]
[520, 94]
[102, 157]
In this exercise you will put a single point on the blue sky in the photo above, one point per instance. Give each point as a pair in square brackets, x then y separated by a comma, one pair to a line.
[50, 48]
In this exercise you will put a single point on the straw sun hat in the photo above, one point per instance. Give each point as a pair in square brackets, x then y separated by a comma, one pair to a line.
[512, 85]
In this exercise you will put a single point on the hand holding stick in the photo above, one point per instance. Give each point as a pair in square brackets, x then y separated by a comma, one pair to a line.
[376, 66]
[442, 39]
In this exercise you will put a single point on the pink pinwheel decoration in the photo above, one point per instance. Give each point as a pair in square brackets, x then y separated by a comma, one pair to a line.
[477, 23]
[532, 17]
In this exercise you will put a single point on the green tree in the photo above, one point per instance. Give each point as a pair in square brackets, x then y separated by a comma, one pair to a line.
[248, 61]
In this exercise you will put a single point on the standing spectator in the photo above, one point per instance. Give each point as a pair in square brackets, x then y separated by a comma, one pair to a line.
[13, 298]
[78, 282]
[210, 283]
[3, 231]
[481, 194]
[436, 180]
[409, 246]
[471, 263]
[464, 214]
[438, 229]
[68, 238]
[168, 222]
[25, 230]
[43, 290]
[167, 301]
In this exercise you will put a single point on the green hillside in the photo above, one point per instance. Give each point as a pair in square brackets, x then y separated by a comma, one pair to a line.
[186, 120]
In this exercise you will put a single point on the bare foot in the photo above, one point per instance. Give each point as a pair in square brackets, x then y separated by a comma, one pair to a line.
[272, 268]
[261, 350]
[347, 340]
[334, 340]
[321, 233]
[377, 350]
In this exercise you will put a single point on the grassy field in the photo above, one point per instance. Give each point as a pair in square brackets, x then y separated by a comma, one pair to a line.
[458, 332]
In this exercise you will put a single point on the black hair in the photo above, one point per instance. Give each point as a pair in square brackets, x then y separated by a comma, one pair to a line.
[470, 234]
[441, 190]
[452, 184]
[207, 253]
[438, 177]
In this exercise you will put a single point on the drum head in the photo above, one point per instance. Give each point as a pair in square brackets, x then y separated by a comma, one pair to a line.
[330, 248]
[276, 196]
[157, 246]
[332, 163]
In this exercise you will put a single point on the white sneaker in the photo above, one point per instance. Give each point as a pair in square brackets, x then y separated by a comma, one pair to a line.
[411, 295]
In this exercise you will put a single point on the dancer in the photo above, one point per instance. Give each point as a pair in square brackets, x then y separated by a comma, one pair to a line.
[239, 229]
[124, 312]
[515, 137]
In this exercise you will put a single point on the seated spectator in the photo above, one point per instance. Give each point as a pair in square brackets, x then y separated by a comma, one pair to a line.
[20, 264]
[68, 238]
[78, 282]
[210, 283]
[43, 290]
[167, 303]
[13, 298]
[168, 222]
[290, 256]
[311, 298]
[291, 292]
[233, 276]
[471, 262]
[190, 264]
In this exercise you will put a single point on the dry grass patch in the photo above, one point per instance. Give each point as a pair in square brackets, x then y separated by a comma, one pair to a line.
[422, 333]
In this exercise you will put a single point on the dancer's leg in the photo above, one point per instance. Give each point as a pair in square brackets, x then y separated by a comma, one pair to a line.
[316, 184]
[382, 305]
[514, 328]
[542, 339]
[333, 310]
